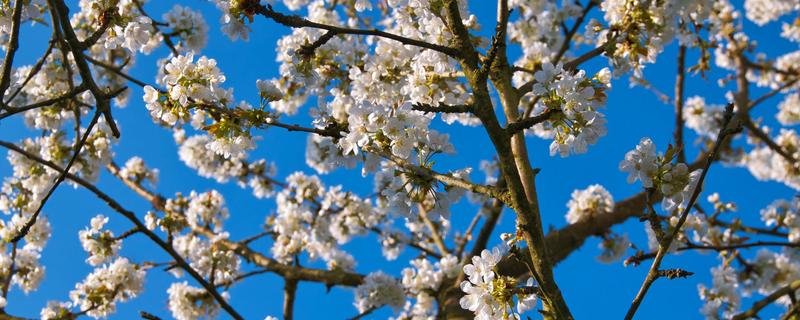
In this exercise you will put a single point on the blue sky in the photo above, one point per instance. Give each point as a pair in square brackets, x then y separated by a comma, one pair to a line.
[591, 289]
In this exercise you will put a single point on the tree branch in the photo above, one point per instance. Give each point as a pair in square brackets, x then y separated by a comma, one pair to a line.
[295, 21]
[665, 243]
[180, 261]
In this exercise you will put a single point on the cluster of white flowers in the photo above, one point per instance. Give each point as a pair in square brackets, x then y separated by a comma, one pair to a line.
[590, 202]
[189, 25]
[613, 247]
[763, 11]
[316, 219]
[722, 300]
[28, 271]
[196, 154]
[207, 259]
[784, 214]
[766, 164]
[789, 110]
[704, 119]
[538, 31]
[137, 35]
[206, 210]
[191, 303]
[772, 271]
[643, 28]
[136, 170]
[56, 311]
[399, 129]
[197, 86]
[127, 27]
[576, 100]
[99, 293]
[674, 180]
[101, 245]
[377, 290]
[489, 294]
[232, 19]
[50, 82]
[410, 194]
[423, 278]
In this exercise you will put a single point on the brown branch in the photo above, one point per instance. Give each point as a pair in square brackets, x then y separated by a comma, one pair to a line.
[148, 316]
[60, 12]
[70, 94]
[11, 49]
[529, 122]
[467, 108]
[665, 243]
[571, 32]
[295, 21]
[679, 84]
[765, 138]
[641, 256]
[289, 294]
[770, 94]
[763, 303]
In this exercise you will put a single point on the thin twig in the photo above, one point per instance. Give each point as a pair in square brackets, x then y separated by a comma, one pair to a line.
[665, 243]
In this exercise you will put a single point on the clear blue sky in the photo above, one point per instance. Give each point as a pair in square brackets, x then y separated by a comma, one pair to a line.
[592, 290]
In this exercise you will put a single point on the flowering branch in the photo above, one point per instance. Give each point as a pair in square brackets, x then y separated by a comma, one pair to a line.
[241, 248]
[11, 48]
[180, 261]
[665, 243]
[295, 21]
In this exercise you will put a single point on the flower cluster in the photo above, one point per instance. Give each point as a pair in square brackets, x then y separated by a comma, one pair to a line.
[101, 245]
[316, 219]
[190, 303]
[377, 290]
[789, 110]
[423, 278]
[639, 30]
[722, 300]
[189, 25]
[208, 259]
[196, 153]
[657, 171]
[99, 293]
[587, 203]
[704, 119]
[574, 100]
[197, 86]
[490, 295]
[766, 164]
[136, 170]
[784, 214]
[613, 247]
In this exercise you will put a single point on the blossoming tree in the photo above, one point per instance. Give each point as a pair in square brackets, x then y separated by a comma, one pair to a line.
[384, 74]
